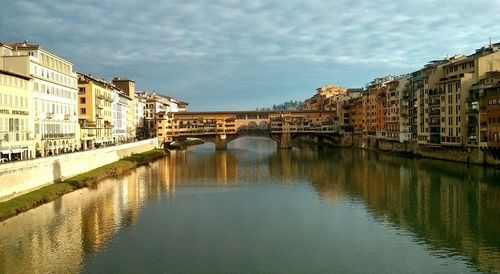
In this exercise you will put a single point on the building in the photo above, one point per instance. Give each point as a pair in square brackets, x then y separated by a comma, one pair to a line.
[16, 116]
[428, 104]
[492, 109]
[95, 115]
[140, 109]
[448, 103]
[128, 87]
[374, 100]
[416, 86]
[480, 110]
[54, 90]
[155, 104]
[396, 110]
[119, 108]
[357, 112]
[323, 100]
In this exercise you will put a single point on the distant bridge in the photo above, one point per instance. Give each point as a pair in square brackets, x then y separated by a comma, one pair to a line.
[225, 126]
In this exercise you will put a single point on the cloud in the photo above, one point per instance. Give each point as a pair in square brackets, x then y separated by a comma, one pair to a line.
[233, 48]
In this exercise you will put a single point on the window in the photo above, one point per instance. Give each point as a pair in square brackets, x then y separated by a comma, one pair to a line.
[82, 100]
[83, 111]
[81, 90]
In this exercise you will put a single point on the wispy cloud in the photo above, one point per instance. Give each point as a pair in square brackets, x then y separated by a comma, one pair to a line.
[243, 54]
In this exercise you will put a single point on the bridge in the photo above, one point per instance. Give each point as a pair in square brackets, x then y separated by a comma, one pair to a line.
[223, 127]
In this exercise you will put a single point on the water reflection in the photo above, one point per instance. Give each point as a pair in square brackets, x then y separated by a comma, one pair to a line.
[56, 237]
[452, 209]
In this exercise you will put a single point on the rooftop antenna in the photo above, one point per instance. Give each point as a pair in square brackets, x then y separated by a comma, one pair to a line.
[490, 42]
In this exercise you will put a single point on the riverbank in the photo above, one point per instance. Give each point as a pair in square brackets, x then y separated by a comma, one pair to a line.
[21, 177]
[468, 155]
[51, 192]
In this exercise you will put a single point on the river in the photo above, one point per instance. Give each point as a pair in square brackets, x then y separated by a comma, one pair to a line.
[255, 209]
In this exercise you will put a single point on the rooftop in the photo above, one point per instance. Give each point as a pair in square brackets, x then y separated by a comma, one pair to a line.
[26, 77]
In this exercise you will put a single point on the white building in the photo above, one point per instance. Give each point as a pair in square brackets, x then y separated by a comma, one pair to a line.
[119, 108]
[55, 88]
[153, 104]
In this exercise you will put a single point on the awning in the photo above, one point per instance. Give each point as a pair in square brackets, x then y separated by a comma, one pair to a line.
[16, 150]
[5, 151]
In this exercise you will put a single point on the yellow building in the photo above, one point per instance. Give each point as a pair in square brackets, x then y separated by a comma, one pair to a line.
[128, 87]
[453, 89]
[447, 106]
[428, 104]
[54, 92]
[16, 117]
[95, 98]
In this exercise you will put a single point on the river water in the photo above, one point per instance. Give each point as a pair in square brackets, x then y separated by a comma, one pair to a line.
[254, 209]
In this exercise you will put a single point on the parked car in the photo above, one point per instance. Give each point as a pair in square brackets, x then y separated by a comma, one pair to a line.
[4, 160]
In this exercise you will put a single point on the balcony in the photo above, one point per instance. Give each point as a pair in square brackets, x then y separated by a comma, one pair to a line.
[434, 102]
[435, 112]
[49, 115]
[108, 125]
[88, 124]
[434, 122]
[57, 136]
[434, 92]
[472, 107]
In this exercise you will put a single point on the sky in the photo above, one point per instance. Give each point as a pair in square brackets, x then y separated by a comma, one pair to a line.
[240, 55]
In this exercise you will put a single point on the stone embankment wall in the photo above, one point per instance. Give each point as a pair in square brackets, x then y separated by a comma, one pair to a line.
[471, 155]
[17, 178]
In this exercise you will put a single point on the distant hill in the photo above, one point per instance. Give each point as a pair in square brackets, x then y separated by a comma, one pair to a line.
[290, 105]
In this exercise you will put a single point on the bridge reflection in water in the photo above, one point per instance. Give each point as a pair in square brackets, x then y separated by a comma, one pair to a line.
[451, 208]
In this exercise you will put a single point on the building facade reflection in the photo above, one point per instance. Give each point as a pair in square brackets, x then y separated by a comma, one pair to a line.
[446, 206]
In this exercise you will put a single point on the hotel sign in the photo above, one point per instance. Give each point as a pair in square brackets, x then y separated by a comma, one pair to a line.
[15, 112]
